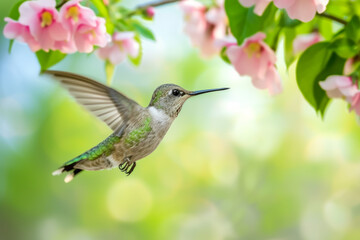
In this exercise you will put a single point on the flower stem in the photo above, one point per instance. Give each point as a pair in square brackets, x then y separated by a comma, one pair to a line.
[332, 17]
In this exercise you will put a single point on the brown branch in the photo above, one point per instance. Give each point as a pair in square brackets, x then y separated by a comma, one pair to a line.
[155, 4]
[144, 6]
[332, 17]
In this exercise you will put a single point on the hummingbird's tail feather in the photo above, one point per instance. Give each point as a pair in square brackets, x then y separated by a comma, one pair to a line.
[71, 175]
[68, 168]
[58, 171]
[93, 159]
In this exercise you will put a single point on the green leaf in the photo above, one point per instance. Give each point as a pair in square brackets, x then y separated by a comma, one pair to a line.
[49, 59]
[311, 63]
[103, 12]
[224, 56]
[109, 70]
[352, 29]
[344, 47]
[136, 61]
[334, 66]
[285, 21]
[14, 12]
[325, 28]
[244, 22]
[314, 65]
[143, 31]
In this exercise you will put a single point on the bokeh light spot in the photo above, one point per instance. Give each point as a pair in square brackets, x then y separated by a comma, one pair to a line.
[129, 200]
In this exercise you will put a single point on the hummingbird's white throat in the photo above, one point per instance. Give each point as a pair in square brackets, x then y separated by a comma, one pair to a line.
[158, 115]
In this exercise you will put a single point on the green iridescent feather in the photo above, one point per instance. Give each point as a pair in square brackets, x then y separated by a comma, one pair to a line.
[157, 96]
[136, 135]
[104, 148]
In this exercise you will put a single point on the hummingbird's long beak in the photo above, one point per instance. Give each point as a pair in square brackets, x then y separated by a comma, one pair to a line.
[194, 93]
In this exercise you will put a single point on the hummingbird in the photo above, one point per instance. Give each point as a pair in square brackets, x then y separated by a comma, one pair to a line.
[137, 130]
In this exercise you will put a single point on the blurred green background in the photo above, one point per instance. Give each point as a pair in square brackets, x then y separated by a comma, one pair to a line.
[234, 165]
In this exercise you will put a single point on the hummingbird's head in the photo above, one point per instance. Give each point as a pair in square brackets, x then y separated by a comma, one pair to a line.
[170, 98]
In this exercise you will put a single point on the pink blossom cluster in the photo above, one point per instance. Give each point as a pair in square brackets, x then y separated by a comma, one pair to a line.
[256, 59]
[42, 26]
[204, 26]
[304, 10]
[123, 44]
[342, 86]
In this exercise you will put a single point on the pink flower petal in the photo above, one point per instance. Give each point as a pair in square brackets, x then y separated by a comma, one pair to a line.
[58, 32]
[304, 41]
[248, 3]
[349, 66]
[261, 6]
[103, 53]
[273, 79]
[355, 104]
[338, 86]
[349, 91]
[284, 3]
[335, 93]
[15, 30]
[215, 15]
[119, 36]
[256, 37]
[117, 56]
[321, 5]
[269, 53]
[226, 41]
[132, 47]
[71, 18]
[304, 10]
[254, 67]
[190, 6]
[65, 46]
[46, 42]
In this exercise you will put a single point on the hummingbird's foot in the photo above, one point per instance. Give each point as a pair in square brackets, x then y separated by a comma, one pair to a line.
[133, 165]
[124, 167]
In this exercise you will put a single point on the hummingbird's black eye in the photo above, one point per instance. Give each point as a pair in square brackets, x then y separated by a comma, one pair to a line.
[175, 92]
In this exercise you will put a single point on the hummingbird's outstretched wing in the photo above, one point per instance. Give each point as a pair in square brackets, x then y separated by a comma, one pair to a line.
[104, 102]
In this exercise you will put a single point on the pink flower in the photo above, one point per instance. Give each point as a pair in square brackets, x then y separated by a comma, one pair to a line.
[355, 103]
[76, 28]
[304, 41]
[304, 10]
[86, 36]
[257, 60]
[72, 15]
[150, 12]
[339, 87]
[217, 19]
[86, 28]
[123, 44]
[204, 27]
[42, 19]
[15, 30]
[260, 5]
